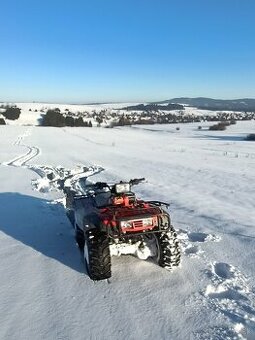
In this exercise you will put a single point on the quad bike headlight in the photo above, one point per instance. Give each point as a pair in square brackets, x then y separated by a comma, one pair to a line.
[147, 222]
[126, 224]
[122, 188]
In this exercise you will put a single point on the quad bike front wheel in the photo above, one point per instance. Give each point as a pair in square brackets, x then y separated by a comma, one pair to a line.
[162, 247]
[97, 255]
[168, 250]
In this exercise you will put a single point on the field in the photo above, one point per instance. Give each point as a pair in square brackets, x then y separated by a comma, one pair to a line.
[206, 176]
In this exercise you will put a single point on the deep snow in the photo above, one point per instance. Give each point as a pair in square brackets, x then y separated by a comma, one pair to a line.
[208, 177]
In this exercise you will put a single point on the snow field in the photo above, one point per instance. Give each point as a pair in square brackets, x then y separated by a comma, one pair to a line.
[206, 176]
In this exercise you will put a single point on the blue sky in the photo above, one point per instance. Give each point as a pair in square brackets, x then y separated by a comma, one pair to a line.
[135, 50]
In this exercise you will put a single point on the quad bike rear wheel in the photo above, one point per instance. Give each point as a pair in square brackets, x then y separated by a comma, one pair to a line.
[97, 255]
[168, 249]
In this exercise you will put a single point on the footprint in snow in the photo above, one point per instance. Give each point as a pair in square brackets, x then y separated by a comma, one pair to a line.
[187, 240]
[229, 294]
[202, 237]
[224, 270]
[192, 251]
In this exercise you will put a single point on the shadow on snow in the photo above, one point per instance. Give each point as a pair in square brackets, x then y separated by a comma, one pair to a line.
[41, 225]
[227, 138]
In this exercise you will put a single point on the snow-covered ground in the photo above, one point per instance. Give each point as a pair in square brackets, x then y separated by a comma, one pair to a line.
[207, 176]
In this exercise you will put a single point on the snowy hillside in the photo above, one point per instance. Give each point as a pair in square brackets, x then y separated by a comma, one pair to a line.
[118, 114]
[31, 113]
[206, 176]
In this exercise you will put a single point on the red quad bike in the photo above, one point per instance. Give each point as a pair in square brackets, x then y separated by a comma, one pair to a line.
[110, 220]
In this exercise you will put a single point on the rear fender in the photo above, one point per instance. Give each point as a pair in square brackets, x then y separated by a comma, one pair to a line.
[91, 221]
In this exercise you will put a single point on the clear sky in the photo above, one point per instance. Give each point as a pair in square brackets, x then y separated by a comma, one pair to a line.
[134, 50]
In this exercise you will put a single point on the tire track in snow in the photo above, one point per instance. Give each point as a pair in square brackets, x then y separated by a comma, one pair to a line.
[51, 177]
[57, 178]
[21, 160]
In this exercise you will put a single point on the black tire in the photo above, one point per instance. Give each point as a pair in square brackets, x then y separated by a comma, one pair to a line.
[79, 238]
[97, 255]
[169, 253]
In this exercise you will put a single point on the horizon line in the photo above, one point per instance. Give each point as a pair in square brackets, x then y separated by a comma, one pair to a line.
[119, 102]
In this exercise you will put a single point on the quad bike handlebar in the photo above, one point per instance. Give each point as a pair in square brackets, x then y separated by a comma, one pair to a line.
[136, 181]
[99, 187]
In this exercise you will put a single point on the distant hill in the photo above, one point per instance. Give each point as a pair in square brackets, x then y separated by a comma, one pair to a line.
[154, 107]
[246, 104]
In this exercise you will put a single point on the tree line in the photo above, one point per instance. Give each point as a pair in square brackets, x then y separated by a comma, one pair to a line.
[55, 118]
